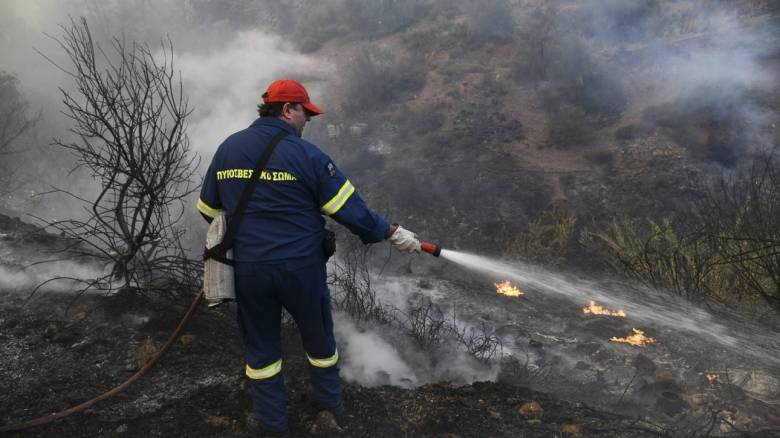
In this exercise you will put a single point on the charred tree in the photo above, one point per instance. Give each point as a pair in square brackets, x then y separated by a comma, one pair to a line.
[128, 114]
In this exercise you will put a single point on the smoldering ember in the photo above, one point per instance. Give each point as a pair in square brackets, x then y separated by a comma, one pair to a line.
[550, 218]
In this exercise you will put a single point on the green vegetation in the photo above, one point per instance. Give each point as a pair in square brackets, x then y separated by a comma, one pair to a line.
[731, 255]
[548, 239]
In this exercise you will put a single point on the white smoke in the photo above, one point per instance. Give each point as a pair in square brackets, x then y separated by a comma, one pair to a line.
[369, 359]
[25, 279]
[225, 84]
[386, 355]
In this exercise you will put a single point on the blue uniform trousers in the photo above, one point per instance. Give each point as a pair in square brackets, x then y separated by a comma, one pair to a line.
[262, 289]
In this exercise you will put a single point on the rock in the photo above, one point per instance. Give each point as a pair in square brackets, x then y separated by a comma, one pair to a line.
[663, 375]
[582, 365]
[532, 411]
[81, 316]
[325, 423]
[122, 429]
[700, 398]
[145, 352]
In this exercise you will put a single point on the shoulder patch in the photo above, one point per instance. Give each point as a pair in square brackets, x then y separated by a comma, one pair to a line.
[331, 168]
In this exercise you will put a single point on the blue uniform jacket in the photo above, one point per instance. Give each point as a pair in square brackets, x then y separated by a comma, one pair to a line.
[300, 183]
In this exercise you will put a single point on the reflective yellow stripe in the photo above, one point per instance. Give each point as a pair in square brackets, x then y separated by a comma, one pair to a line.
[264, 373]
[338, 201]
[208, 211]
[324, 363]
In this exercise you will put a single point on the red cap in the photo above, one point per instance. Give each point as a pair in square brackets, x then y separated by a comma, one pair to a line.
[288, 90]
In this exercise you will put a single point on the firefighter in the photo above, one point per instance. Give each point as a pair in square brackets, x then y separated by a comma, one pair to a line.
[278, 248]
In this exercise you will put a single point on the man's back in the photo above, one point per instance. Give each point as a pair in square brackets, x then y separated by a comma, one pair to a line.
[282, 220]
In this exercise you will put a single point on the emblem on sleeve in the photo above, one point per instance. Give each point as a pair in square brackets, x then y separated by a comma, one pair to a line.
[331, 169]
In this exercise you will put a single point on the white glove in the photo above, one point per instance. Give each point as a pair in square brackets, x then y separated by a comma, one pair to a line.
[404, 240]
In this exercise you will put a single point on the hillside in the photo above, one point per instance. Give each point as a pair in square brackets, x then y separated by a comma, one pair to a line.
[464, 122]
[613, 164]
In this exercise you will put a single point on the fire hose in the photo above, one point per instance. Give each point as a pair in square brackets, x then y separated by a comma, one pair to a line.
[140, 373]
[430, 248]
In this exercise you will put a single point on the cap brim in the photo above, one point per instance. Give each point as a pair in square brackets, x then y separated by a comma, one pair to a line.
[313, 109]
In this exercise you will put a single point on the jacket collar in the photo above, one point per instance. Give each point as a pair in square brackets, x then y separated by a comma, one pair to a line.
[274, 122]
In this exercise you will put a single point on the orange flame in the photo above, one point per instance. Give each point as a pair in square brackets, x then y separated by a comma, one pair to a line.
[506, 288]
[595, 309]
[712, 378]
[638, 339]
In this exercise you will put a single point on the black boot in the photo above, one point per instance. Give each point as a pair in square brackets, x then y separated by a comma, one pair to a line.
[254, 426]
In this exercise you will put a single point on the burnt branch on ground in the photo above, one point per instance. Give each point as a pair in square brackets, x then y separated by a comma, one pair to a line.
[423, 321]
[351, 276]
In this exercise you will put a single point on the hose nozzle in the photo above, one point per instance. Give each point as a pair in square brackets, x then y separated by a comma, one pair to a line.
[430, 248]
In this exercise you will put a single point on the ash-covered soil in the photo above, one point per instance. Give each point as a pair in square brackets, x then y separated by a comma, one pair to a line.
[51, 360]
[59, 349]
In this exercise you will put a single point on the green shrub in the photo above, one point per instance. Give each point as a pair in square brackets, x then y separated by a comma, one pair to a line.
[547, 240]
[657, 255]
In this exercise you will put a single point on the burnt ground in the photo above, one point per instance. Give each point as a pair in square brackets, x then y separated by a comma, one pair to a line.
[51, 360]
[57, 352]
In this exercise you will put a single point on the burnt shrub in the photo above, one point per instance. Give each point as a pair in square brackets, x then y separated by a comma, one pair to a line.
[15, 122]
[603, 158]
[320, 22]
[421, 120]
[318, 25]
[586, 82]
[442, 34]
[375, 77]
[711, 123]
[367, 161]
[483, 122]
[380, 17]
[568, 126]
[620, 20]
[489, 21]
[572, 74]
[481, 118]
[629, 133]
[537, 39]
